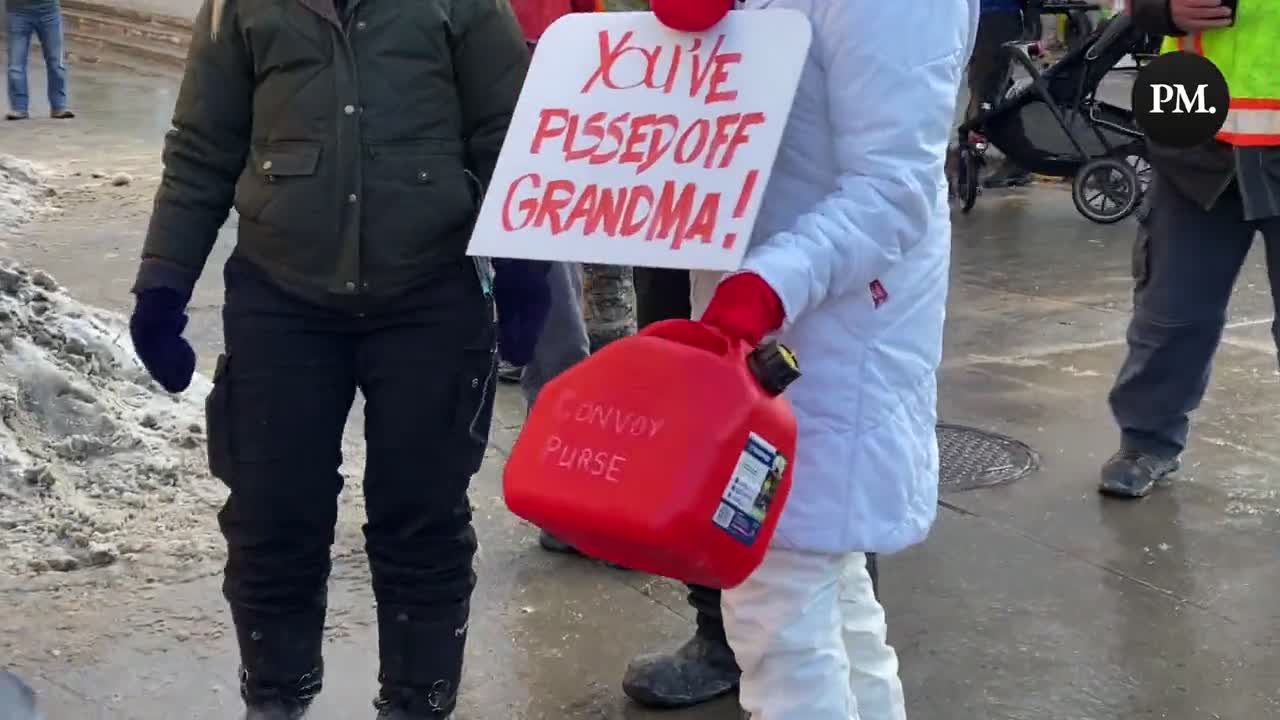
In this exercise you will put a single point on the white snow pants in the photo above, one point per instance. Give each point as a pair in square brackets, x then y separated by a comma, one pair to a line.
[810, 636]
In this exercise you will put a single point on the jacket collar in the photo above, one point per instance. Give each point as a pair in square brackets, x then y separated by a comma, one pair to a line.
[327, 9]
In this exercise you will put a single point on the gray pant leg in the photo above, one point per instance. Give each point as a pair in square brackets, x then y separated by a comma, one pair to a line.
[1271, 231]
[1185, 264]
[564, 338]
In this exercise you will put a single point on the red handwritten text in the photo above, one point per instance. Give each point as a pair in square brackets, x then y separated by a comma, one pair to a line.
[644, 139]
[662, 68]
[675, 212]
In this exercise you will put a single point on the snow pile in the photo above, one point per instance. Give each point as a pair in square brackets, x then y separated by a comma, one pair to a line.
[23, 192]
[97, 462]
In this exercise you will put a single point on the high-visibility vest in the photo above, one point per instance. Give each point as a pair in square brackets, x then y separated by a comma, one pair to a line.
[1247, 55]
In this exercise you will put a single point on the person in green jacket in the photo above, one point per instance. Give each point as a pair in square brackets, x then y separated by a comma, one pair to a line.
[355, 140]
[1202, 214]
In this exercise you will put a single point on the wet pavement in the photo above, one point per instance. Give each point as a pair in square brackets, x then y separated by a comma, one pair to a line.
[1033, 600]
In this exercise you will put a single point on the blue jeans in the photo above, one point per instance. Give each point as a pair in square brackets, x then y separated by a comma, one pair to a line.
[46, 25]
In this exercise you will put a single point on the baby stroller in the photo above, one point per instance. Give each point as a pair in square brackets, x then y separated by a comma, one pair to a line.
[1078, 23]
[1056, 125]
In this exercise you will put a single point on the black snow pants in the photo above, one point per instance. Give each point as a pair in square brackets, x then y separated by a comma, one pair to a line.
[282, 393]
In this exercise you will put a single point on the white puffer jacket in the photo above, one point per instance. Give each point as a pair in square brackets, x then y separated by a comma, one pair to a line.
[855, 237]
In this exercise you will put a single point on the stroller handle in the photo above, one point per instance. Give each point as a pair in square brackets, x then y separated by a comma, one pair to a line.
[1031, 47]
[1116, 27]
[1065, 6]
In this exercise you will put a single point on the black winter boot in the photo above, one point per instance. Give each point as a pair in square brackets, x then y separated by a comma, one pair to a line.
[421, 654]
[701, 670]
[281, 668]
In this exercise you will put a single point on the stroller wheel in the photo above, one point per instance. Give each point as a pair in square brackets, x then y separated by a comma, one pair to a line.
[1142, 168]
[1106, 190]
[967, 170]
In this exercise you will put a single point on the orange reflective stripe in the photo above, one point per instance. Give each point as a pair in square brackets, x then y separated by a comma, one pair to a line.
[1239, 140]
[1254, 104]
[1193, 42]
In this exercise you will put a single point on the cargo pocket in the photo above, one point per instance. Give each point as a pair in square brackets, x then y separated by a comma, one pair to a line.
[217, 419]
[275, 171]
[474, 413]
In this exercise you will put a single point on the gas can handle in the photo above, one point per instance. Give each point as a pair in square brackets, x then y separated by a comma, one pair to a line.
[772, 364]
[698, 335]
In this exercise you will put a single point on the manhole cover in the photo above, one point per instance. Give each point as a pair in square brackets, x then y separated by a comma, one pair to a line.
[973, 458]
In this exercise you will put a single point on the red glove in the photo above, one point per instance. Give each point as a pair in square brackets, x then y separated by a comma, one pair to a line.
[746, 308]
[690, 15]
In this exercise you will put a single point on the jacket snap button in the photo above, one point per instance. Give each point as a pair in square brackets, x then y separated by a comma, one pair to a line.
[350, 109]
[351, 285]
[266, 165]
[475, 382]
[362, 25]
[352, 198]
[423, 176]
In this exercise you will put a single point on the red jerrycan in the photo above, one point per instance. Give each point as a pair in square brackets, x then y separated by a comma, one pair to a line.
[668, 452]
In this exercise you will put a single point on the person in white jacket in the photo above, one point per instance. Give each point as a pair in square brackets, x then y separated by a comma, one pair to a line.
[848, 266]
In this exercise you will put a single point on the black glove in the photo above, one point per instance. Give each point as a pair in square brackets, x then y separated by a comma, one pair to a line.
[159, 317]
[523, 297]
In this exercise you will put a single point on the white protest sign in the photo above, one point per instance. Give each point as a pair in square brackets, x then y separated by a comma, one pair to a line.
[634, 144]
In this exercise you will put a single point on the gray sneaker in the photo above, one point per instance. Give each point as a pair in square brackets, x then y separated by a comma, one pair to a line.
[509, 373]
[1130, 474]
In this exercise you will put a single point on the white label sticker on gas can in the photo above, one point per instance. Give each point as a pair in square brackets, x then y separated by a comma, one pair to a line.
[746, 499]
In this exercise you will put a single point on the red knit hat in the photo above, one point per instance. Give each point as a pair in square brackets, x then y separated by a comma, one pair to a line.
[690, 15]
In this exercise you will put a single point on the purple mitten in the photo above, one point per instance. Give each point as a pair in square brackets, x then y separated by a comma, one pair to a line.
[159, 317]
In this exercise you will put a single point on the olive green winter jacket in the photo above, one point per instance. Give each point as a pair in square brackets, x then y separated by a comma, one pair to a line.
[354, 149]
